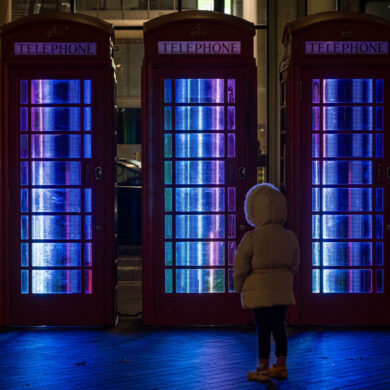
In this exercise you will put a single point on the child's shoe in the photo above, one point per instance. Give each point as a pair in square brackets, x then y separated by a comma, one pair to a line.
[278, 372]
[261, 374]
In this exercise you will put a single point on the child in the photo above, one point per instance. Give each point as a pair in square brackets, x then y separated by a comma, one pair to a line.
[265, 263]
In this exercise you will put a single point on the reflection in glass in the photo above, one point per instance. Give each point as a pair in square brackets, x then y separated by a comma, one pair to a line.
[168, 281]
[347, 145]
[200, 226]
[55, 91]
[46, 254]
[199, 117]
[200, 199]
[55, 172]
[347, 281]
[200, 253]
[57, 227]
[200, 281]
[231, 288]
[347, 90]
[199, 145]
[347, 172]
[55, 146]
[56, 282]
[46, 200]
[347, 199]
[199, 90]
[200, 172]
[348, 118]
[55, 119]
[347, 254]
[347, 227]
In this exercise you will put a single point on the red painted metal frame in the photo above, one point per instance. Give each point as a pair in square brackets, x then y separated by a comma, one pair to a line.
[99, 308]
[190, 309]
[328, 309]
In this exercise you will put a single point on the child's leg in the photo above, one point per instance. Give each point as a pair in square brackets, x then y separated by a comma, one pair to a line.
[264, 328]
[279, 333]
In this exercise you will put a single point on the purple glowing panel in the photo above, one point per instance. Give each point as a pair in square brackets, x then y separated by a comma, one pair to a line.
[55, 119]
[231, 145]
[200, 199]
[347, 172]
[199, 91]
[347, 227]
[200, 281]
[55, 146]
[88, 254]
[231, 251]
[315, 147]
[55, 91]
[231, 226]
[347, 254]
[56, 227]
[23, 119]
[337, 118]
[231, 91]
[339, 281]
[315, 118]
[24, 146]
[47, 200]
[231, 199]
[199, 145]
[347, 145]
[231, 118]
[346, 199]
[88, 281]
[200, 172]
[199, 118]
[347, 91]
[56, 172]
[200, 253]
[56, 254]
[23, 92]
[315, 91]
[56, 282]
[200, 226]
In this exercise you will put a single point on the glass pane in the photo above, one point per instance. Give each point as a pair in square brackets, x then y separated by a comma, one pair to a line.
[58, 227]
[200, 226]
[200, 281]
[347, 254]
[231, 199]
[23, 173]
[168, 172]
[23, 92]
[55, 91]
[232, 226]
[231, 118]
[55, 172]
[56, 254]
[315, 171]
[56, 282]
[168, 281]
[168, 253]
[46, 200]
[168, 199]
[24, 282]
[315, 226]
[316, 281]
[315, 148]
[379, 145]
[24, 146]
[24, 200]
[200, 145]
[88, 254]
[199, 117]
[379, 118]
[347, 199]
[88, 200]
[24, 227]
[87, 91]
[200, 199]
[167, 118]
[315, 118]
[88, 282]
[379, 227]
[167, 91]
[315, 199]
[379, 90]
[55, 146]
[379, 281]
[200, 253]
[348, 91]
[168, 226]
[347, 226]
[23, 119]
[347, 281]
[231, 145]
[88, 227]
[347, 172]
[348, 118]
[347, 145]
[87, 119]
[231, 280]
[168, 146]
[55, 119]
[231, 91]
[316, 254]
[231, 251]
[315, 91]
[24, 255]
[199, 91]
[87, 146]
[379, 254]
[200, 172]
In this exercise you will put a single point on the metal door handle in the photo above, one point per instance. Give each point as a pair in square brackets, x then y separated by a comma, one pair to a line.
[241, 172]
[98, 173]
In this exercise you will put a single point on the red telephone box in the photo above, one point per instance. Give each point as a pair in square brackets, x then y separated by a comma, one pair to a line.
[199, 160]
[335, 165]
[57, 185]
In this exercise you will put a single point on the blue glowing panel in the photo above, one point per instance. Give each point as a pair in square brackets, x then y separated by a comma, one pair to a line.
[379, 199]
[316, 119]
[379, 90]
[315, 146]
[315, 171]
[169, 253]
[55, 119]
[347, 91]
[24, 282]
[231, 280]
[56, 172]
[87, 91]
[200, 199]
[200, 172]
[231, 199]
[315, 249]
[341, 281]
[347, 172]
[379, 118]
[88, 200]
[88, 227]
[87, 146]
[55, 91]
[23, 92]
[347, 199]
[56, 227]
[168, 118]
[347, 227]
[231, 251]
[168, 146]
[200, 281]
[24, 146]
[168, 226]
[199, 118]
[23, 173]
[199, 145]
[379, 145]
[347, 145]
[168, 199]
[231, 119]
[167, 91]
[315, 199]
[55, 146]
[23, 119]
[56, 281]
[87, 119]
[379, 254]
[347, 254]
[200, 226]
[56, 254]
[168, 281]
[315, 226]
[88, 254]
[24, 257]
[46, 200]
[231, 91]
[231, 145]
[200, 253]
[199, 90]
[379, 281]
[231, 226]
[348, 118]
[24, 227]
[379, 227]
[316, 281]
[316, 91]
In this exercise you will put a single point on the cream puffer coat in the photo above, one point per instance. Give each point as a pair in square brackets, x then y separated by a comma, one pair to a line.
[268, 257]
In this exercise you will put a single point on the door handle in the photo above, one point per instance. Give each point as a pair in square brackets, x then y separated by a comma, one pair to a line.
[241, 172]
[98, 173]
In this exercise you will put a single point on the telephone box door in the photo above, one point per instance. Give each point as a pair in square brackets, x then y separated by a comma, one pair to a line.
[346, 277]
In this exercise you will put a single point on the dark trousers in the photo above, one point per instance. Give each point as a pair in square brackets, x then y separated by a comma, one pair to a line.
[270, 320]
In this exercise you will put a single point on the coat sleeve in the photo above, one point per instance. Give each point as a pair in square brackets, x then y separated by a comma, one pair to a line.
[242, 262]
[296, 259]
